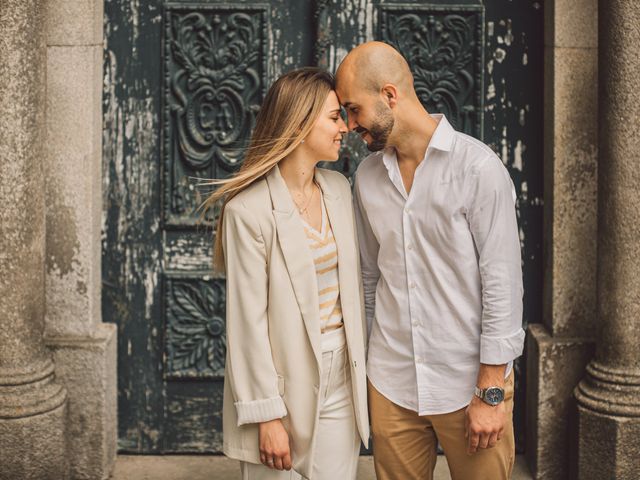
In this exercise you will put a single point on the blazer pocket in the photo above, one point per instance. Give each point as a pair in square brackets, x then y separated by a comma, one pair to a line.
[280, 385]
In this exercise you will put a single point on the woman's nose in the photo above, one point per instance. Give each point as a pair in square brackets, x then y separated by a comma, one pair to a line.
[342, 126]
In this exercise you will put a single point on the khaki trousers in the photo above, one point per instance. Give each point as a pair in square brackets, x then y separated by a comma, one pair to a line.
[405, 444]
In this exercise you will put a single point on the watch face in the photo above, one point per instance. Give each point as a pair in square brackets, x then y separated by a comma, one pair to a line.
[494, 395]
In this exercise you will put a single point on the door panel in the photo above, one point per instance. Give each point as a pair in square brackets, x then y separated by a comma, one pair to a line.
[183, 83]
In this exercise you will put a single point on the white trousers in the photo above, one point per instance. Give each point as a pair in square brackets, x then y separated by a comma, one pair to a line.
[337, 443]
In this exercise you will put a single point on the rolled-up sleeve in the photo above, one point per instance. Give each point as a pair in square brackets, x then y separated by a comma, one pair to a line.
[369, 248]
[250, 370]
[492, 219]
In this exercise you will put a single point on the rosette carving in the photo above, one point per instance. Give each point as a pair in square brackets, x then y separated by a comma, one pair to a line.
[195, 328]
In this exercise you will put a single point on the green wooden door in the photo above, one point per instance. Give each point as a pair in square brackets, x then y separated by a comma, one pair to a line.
[182, 84]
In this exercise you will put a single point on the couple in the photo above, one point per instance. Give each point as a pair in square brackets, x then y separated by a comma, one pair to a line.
[437, 244]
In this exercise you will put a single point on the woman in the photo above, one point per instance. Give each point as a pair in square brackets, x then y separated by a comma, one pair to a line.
[295, 388]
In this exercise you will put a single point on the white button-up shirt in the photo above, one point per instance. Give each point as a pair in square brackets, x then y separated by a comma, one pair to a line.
[441, 271]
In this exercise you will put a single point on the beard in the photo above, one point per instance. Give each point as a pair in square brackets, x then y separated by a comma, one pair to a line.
[381, 129]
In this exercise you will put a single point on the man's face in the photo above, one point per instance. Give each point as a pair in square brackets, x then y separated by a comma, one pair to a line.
[369, 116]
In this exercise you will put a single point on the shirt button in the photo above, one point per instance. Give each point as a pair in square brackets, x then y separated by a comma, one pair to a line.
[407, 210]
[412, 285]
[418, 360]
[410, 247]
[415, 323]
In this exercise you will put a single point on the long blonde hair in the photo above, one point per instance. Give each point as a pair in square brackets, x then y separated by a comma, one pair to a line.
[287, 115]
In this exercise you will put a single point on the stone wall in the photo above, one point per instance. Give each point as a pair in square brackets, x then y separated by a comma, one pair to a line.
[84, 348]
[58, 394]
[559, 348]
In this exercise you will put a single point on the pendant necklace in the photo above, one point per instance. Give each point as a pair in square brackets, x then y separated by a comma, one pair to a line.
[305, 209]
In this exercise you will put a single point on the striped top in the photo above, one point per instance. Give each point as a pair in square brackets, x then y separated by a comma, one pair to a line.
[325, 257]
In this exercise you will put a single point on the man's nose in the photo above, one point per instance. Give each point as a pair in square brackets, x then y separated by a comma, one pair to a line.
[351, 122]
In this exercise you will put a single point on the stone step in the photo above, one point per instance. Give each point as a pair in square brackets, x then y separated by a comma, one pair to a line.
[215, 467]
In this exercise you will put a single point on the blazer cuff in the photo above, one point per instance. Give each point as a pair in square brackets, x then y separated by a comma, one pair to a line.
[499, 350]
[259, 411]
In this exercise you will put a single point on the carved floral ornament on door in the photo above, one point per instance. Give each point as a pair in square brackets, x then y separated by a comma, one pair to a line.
[214, 82]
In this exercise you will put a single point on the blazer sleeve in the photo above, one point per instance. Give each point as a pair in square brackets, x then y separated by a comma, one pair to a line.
[369, 248]
[250, 370]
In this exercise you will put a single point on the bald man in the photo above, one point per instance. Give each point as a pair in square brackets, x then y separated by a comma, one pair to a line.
[440, 254]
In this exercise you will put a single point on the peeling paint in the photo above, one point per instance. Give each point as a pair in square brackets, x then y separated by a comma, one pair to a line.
[504, 142]
[517, 154]
[499, 55]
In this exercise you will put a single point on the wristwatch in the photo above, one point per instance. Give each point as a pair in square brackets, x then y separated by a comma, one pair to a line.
[491, 395]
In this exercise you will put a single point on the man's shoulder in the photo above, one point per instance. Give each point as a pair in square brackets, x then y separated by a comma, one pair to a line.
[472, 152]
[371, 166]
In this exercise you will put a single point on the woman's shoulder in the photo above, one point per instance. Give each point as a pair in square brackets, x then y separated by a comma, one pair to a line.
[253, 198]
[335, 179]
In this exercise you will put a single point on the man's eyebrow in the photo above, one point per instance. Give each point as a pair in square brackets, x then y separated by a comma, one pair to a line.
[347, 104]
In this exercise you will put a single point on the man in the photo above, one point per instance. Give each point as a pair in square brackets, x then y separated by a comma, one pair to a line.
[442, 278]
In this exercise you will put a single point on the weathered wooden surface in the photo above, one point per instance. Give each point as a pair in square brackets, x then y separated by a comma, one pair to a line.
[182, 84]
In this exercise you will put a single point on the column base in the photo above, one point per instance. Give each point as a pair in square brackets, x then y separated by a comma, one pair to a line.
[33, 407]
[87, 367]
[555, 366]
[608, 447]
[34, 447]
[609, 423]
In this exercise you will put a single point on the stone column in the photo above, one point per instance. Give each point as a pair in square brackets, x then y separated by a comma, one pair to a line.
[609, 395]
[84, 347]
[559, 347]
[32, 402]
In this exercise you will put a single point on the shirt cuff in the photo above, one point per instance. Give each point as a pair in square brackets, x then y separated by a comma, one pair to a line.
[259, 411]
[499, 350]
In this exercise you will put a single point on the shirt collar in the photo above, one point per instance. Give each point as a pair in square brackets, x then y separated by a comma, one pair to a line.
[442, 139]
[443, 135]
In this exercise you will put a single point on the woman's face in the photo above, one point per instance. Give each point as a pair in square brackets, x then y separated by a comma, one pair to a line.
[324, 140]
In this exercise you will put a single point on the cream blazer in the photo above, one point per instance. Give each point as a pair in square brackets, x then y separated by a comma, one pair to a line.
[274, 351]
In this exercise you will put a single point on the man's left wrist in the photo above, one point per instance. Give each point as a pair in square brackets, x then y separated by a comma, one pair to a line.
[492, 395]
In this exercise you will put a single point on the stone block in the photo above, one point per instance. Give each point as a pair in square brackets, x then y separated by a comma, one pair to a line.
[73, 189]
[87, 367]
[75, 22]
[571, 130]
[609, 446]
[554, 367]
[571, 23]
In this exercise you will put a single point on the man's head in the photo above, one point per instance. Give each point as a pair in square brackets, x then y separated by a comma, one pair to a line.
[371, 81]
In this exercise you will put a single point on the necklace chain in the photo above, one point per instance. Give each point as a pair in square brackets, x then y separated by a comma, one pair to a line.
[305, 209]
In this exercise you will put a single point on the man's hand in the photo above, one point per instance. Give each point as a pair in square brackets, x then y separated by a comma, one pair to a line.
[484, 424]
[274, 445]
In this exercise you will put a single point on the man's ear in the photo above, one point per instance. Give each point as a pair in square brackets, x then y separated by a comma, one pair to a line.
[390, 94]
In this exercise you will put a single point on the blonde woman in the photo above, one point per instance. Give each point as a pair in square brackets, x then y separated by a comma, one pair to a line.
[295, 390]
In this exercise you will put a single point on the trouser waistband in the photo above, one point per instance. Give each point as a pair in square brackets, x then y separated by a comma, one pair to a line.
[333, 340]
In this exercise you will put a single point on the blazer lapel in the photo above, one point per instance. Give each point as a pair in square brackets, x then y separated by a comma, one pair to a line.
[297, 256]
[343, 234]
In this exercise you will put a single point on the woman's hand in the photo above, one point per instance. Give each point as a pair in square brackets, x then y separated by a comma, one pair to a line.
[274, 445]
